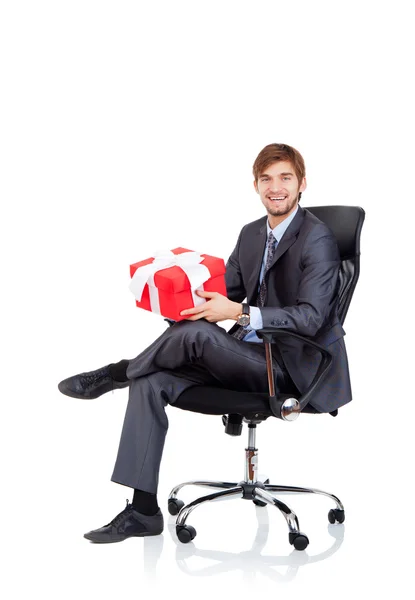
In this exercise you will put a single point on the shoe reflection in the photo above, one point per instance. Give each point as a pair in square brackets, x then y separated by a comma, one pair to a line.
[153, 547]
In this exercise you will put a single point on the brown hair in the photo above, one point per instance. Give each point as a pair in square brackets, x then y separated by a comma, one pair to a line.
[274, 152]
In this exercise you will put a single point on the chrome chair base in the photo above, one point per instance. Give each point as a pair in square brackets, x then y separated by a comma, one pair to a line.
[252, 489]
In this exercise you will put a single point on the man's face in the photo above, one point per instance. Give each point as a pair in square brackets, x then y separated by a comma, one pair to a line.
[278, 188]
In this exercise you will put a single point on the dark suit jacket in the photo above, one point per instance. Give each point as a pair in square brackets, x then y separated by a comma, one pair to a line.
[302, 285]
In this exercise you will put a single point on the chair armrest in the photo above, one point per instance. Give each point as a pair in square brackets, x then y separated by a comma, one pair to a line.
[270, 336]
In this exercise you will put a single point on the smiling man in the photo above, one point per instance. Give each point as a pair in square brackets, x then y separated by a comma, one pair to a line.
[282, 273]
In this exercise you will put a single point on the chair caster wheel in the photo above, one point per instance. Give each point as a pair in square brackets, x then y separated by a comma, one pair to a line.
[298, 540]
[336, 515]
[175, 505]
[185, 533]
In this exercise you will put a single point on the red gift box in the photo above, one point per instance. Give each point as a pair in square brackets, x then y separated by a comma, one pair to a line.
[168, 291]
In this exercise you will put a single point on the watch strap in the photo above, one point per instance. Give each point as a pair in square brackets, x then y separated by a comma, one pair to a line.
[245, 309]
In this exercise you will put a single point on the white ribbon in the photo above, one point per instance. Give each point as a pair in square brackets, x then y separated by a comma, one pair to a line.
[189, 262]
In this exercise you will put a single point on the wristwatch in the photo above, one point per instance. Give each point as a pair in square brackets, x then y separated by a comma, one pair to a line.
[244, 318]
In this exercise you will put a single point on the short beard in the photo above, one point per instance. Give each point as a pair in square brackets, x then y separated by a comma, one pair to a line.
[274, 213]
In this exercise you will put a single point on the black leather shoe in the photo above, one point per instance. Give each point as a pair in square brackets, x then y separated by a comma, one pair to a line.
[93, 384]
[129, 523]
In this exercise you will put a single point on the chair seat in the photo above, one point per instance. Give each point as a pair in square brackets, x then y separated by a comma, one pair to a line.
[210, 400]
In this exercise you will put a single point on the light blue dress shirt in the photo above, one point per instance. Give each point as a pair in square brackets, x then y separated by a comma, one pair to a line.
[255, 312]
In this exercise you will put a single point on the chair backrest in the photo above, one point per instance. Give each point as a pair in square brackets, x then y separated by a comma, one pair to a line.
[346, 223]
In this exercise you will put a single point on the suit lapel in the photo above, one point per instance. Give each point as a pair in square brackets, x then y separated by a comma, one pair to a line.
[257, 243]
[289, 236]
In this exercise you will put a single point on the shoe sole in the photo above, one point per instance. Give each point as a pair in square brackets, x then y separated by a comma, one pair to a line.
[67, 392]
[97, 541]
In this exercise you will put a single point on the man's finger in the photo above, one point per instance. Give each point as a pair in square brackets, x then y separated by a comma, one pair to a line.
[192, 311]
[195, 317]
[204, 294]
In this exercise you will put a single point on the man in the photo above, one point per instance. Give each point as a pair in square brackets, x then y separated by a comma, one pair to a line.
[286, 266]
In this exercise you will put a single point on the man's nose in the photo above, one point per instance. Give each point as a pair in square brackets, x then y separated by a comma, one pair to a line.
[274, 186]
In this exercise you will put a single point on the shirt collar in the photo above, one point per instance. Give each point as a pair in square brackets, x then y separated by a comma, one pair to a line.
[280, 229]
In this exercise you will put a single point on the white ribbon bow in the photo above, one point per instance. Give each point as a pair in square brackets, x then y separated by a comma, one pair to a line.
[189, 262]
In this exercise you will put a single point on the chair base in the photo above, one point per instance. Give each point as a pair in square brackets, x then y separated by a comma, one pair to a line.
[257, 492]
[252, 489]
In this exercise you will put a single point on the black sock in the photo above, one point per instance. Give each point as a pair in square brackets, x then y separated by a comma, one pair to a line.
[145, 503]
[118, 371]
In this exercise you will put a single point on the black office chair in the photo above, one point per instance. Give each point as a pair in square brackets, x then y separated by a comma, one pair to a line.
[346, 223]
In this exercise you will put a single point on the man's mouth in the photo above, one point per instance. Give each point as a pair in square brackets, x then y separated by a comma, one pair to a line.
[277, 198]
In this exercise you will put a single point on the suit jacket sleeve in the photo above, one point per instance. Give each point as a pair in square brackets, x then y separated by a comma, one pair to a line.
[233, 278]
[317, 287]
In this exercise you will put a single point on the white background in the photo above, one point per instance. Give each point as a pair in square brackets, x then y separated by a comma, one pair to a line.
[132, 126]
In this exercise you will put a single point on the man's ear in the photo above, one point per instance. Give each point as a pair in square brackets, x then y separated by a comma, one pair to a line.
[303, 185]
[256, 187]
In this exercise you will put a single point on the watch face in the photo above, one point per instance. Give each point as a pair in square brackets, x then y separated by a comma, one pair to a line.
[243, 320]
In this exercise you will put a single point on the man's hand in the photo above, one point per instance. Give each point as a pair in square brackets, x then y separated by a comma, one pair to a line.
[218, 308]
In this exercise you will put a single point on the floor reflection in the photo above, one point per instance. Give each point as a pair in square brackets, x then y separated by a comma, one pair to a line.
[250, 562]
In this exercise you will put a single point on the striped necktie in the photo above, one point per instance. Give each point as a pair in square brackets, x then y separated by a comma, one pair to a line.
[271, 245]
[240, 333]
